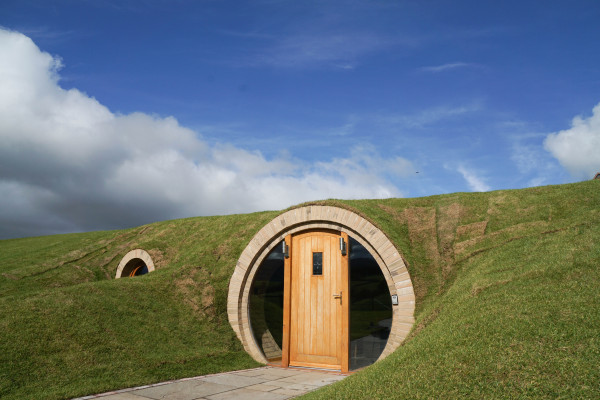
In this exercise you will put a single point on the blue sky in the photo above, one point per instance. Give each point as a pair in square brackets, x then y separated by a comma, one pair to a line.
[138, 111]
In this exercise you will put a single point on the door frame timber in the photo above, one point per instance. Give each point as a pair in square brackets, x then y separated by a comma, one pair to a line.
[344, 344]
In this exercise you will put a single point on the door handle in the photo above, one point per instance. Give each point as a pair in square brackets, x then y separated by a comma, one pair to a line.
[338, 296]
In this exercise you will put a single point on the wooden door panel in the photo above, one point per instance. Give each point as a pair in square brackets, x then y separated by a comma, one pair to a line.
[317, 320]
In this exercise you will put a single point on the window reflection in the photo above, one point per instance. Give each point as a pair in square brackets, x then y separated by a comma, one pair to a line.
[370, 308]
[134, 267]
[266, 304]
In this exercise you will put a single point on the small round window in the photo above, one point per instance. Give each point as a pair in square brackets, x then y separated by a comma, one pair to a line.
[135, 263]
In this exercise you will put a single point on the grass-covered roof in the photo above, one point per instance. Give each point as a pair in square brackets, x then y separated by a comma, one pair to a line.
[507, 286]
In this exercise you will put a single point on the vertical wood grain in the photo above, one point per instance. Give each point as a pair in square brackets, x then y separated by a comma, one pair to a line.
[345, 331]
[334, 311]
[307, 272]
[294, 299]
[318, 331]
[287, 281]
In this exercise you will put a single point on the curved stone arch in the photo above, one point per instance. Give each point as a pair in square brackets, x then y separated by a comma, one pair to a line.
[320, 217]
[135, 255]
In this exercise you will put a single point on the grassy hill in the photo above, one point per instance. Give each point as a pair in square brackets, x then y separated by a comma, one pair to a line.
[507, 285]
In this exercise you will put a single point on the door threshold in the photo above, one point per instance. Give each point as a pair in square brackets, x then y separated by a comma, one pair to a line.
[333, 371]
[316, 368]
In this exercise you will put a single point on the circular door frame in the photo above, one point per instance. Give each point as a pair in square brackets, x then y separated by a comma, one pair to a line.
[299, 219]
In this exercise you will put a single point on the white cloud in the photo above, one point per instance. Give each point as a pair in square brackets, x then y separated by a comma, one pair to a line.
[475, 182]
[535, 165]
[446, 67]
[529, 158]
[68, 163]
[578, 148]
[323, 35]
[429, 116]
[338, 50]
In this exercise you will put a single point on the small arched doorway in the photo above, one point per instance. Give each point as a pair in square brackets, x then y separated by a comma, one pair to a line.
[136, 262]
[321, 248]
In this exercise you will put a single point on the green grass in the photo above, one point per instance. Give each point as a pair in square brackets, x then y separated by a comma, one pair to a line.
[67, 328]
[506, 284]
[517, 315]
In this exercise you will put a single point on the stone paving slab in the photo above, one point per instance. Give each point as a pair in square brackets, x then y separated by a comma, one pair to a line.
[263, 387]
[265, 383]
[289, 392]
[244, 393]
[311, 379]
[125, 396]
[234, 380]
[188, 390]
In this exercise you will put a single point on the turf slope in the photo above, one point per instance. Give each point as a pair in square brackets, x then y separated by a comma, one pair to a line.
[507, 285]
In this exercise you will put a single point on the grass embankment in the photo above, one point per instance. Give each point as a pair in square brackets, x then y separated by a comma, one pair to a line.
[67, 328]
[506, 282]
[508, 289]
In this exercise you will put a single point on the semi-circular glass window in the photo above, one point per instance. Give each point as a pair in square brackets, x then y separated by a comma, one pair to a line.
[266, 304]
[135, 267]
[370, 306]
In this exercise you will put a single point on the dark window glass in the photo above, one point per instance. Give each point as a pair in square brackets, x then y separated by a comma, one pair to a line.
[142, 270]
[266, 304]
[318, 263]
[135, 267]
[370, 308]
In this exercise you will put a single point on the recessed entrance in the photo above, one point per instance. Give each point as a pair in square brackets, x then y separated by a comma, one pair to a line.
[136, 262]
[314, 288]
[366, 294]
[316, 300]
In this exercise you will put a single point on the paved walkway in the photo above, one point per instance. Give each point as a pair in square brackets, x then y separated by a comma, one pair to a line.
[268, 383]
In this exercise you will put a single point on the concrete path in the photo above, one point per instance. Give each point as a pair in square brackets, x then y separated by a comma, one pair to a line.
[268, 383]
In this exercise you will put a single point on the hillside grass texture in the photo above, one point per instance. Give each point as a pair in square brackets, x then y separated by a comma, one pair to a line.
[507, 286]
